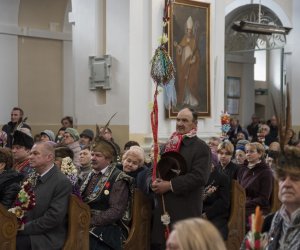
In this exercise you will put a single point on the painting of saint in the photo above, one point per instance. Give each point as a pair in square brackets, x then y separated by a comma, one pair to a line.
[189, 48]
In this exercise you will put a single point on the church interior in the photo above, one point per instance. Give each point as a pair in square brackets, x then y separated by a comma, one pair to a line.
[93, 60]
[49, 48]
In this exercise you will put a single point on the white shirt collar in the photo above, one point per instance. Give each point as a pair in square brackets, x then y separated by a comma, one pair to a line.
[47, 170]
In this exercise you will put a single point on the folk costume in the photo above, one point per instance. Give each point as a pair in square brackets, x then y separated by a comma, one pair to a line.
[108, 193]
[25, 140]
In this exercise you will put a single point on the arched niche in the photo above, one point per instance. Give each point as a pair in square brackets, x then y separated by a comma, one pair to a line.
[240, 58]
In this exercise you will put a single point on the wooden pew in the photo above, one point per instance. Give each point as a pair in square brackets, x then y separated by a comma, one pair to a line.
[139, 234]
[274, 201]
[78, 225]
[236, 223]
[8, 229]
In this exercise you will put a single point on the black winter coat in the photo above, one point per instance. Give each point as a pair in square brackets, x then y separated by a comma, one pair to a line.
[9, 187]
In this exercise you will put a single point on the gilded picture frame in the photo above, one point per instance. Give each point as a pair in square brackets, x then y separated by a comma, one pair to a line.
[189, 47]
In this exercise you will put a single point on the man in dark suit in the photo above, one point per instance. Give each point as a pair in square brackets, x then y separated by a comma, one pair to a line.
[182, 195]
[46, 226]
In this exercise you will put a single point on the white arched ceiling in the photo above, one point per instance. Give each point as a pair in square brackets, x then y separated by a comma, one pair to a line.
[276, 8]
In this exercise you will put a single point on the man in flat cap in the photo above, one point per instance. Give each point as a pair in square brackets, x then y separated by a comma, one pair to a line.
[21, 146]
[106, 190]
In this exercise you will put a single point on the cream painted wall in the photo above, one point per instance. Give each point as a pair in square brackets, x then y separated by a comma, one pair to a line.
[40, 80]
[132, 28]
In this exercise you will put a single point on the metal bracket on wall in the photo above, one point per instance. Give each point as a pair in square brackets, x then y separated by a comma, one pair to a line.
[100, 72]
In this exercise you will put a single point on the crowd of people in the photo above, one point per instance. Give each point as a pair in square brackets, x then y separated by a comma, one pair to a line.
[190, 187]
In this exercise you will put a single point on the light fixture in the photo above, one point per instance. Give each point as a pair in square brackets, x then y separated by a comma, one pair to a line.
[258, 27]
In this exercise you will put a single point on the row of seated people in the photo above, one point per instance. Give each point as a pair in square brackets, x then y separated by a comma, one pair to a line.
[139, 235]
[137, 178]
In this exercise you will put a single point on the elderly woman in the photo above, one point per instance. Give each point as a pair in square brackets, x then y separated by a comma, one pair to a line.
[9, 179]
[257, 179]
[133, 165]
[195, 233]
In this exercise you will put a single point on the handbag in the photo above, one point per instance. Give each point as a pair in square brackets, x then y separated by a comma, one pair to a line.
[110, 235]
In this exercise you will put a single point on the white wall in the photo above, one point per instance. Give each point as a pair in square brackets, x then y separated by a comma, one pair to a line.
[88, 108]
[9, 58]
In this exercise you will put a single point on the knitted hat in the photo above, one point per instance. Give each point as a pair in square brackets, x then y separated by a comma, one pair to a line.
[73, 132]
[88, 133]
[241, 145]
[49, 133]
[22, 139]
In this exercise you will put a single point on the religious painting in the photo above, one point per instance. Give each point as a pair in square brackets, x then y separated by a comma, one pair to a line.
[188, 46]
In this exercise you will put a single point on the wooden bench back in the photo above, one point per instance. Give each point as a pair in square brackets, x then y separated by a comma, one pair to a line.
[275, 202]
[78, 225]
[139, 234]
[8, 229]
[236, 222]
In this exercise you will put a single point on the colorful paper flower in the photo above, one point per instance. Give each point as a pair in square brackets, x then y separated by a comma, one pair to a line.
[255, 240]
[69, 169]
[225, 122]
[25, 200]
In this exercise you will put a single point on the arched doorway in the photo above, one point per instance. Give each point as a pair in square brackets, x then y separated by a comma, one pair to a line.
[241, 56]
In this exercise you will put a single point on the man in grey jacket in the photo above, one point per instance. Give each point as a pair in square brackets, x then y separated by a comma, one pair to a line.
[46, 224]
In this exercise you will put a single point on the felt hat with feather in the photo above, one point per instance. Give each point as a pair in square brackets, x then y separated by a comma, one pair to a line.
[107, 148]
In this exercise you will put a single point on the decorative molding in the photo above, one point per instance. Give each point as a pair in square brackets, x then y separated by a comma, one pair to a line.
[30, 32]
